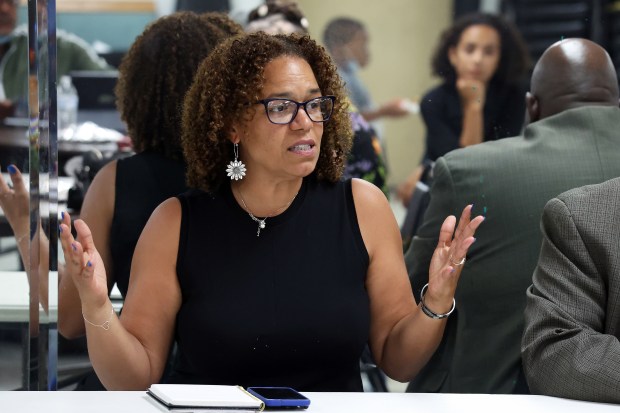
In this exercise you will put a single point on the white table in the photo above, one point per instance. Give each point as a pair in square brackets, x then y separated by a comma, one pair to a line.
[139, 402]
[15, 296]
[64, 184]
[15, 293]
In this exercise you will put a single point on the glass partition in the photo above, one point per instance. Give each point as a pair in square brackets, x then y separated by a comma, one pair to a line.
[42, 265]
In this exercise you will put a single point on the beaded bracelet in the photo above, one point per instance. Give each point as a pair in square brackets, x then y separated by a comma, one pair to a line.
[105, 325]
[430, 312]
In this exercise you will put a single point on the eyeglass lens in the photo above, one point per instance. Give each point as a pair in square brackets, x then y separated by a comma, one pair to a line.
[283, 110]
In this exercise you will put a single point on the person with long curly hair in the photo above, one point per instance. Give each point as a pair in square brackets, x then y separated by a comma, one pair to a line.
[154, 77]
[272, 270]
[482, 60]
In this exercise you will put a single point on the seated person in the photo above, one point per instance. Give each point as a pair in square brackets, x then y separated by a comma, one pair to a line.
[346, 39]
[233, 269]
[365, 161]
[572, 141]
[571, 342]
[481, 59]
[73, 53]
[125, 192]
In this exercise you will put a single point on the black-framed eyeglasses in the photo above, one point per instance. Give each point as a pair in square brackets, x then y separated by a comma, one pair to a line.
[282, 111]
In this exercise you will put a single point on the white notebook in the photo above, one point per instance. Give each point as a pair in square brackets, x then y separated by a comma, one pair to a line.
[205, 397]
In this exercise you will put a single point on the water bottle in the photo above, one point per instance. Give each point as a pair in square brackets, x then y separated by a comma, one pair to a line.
[67, 99]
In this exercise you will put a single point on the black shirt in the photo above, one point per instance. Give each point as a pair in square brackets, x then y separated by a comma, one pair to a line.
[504, 113]
[286, 308]
[143, 181]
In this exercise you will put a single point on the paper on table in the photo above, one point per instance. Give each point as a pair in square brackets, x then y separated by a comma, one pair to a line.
[205, 397]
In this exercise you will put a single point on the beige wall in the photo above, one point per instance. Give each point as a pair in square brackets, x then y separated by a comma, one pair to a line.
[403, 34]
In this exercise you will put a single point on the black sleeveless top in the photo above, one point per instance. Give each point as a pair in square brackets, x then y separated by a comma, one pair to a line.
[143, 181]
[287, 308]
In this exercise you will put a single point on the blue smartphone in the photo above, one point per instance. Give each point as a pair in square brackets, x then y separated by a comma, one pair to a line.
[280, 397]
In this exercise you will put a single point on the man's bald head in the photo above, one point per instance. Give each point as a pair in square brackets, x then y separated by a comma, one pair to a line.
[571, 73]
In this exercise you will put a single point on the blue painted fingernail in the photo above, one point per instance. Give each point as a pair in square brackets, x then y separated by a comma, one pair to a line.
[453, 269]
[73, 246]
[12, 169]
[59, 229]
[62, 215]
[89, 264]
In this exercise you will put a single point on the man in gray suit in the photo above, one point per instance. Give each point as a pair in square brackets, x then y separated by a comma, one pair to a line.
[573, 140]
[572, 319]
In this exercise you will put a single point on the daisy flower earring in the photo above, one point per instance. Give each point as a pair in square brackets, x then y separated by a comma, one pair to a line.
[236, 169]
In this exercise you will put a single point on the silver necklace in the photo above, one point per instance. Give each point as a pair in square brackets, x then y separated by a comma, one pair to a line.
[261, 222]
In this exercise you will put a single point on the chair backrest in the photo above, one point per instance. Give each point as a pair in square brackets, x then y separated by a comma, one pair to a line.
[415, 212]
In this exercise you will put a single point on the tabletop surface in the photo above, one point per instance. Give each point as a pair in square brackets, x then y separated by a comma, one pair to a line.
[140, 402]
[15, 298]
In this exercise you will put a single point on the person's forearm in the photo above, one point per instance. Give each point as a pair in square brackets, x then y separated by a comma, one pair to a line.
[70, 321]
[372, 115]
[473, 125]
[118, 357]
[410, 345]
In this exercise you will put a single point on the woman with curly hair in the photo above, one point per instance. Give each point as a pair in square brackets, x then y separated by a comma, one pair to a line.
[153, 79]
[271, 271]
[482, 60]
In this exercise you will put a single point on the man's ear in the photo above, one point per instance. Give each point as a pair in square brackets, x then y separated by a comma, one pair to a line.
[532, 106]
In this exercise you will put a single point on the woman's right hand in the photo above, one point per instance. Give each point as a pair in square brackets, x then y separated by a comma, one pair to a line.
[472, 92]
[85, 266]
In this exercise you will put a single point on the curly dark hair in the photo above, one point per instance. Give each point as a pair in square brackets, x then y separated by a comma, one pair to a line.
[230, 78]
[514, 59]
[157, 71]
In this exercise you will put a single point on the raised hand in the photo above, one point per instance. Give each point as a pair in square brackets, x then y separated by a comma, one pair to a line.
[85, 266]
[449, 258]
[14, 202]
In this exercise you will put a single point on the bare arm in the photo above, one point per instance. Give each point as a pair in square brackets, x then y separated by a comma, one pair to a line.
[132, 353]
[97, 211]
[15, 202]
[15, 205]
[402, 337]
[473, 94]
[395, 108]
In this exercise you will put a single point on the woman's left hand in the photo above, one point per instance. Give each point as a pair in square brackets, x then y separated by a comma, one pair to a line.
[449, 258]
[14, 202]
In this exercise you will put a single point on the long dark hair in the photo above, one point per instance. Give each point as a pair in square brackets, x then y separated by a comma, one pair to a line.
[514, 59]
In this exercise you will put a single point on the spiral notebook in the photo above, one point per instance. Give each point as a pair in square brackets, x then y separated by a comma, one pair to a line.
[205, 397]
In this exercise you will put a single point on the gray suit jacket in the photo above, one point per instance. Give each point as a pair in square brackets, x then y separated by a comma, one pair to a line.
[509, 181]
[572, 320]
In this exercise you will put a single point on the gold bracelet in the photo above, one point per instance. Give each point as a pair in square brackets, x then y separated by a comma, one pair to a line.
[105, 325]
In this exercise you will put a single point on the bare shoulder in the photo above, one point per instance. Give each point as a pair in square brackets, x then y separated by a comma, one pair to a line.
[368, 198]
[155, 256]
[106, 177]
[101, 192]
[166, 217]
[374, 215]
